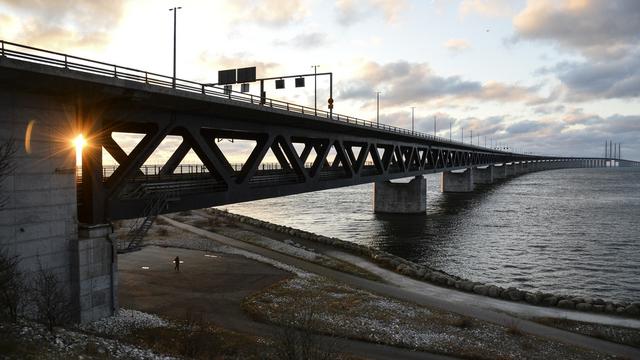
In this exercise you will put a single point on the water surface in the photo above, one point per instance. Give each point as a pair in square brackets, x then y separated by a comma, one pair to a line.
[571, 231]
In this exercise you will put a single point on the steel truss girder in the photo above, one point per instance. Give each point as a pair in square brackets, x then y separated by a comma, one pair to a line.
[390, 158]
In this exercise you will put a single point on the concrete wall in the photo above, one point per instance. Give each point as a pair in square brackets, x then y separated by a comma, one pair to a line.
[401, 198]
[457, 181]
[39, 222]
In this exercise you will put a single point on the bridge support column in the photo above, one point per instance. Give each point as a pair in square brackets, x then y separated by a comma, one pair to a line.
[400, 198]
[500, 172]
[97, 272]
[457, 181]
[510, 169]
[483, 175]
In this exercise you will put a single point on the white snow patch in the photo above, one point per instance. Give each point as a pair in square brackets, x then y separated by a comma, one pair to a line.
[124, 323]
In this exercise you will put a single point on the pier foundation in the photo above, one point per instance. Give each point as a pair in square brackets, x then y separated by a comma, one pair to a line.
[483, 175]
[400, 198]
[500, 172]
[457, 181]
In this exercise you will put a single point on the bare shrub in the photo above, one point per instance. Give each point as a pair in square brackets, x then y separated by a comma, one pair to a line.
[162, 231]
[461, 322]
[7, 151]
[194, 337]
[297, 341]
[513, 328]
[51, 300]
[11, 287]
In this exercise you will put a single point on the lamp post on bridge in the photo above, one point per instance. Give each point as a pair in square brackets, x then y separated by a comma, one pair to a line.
[175, 17]
[315, 88]
[412, 118]
[378, 107]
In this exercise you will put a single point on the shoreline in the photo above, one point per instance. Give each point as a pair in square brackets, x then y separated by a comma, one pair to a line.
[440, 278]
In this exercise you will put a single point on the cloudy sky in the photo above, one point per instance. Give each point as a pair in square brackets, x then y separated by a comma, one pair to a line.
[548, 76]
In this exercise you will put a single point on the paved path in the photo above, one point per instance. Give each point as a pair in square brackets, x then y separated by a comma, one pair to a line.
[439, 300]
[459, 297]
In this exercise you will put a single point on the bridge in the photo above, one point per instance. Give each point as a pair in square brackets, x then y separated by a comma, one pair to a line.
[48, 97]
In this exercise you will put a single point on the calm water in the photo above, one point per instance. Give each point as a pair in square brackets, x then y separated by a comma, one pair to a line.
[571, 231]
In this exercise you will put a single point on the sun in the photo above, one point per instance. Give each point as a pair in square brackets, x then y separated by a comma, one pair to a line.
[79, 142]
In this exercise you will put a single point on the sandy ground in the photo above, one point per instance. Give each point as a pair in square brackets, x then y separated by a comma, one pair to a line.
[214, 284]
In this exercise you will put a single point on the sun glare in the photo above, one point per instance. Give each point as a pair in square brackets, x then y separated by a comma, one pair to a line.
[79, 142]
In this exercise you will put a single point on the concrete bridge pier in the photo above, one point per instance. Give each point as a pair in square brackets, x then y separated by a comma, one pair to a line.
[499, 172]
[483, 175]
[457, 181]
[97, 272]
[39, 223]
[510, 169]
[400, 198]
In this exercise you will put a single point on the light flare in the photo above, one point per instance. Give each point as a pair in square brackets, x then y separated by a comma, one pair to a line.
[79, 142]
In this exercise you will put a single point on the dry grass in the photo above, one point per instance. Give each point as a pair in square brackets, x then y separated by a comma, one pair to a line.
[356, 314]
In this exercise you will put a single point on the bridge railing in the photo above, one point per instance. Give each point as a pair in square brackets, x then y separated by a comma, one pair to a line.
[75, 63]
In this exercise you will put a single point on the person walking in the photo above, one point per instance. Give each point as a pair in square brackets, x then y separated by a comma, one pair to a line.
[176, 261]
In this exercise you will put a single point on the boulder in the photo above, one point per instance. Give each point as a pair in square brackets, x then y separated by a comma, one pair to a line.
[515, 294]
[609, 308]
[481, 289]
[632, 310]
[532, 298]
[566, 304]
[468, 285]
[598, 308]
[550, 300]
[494, 291]
[584, 306]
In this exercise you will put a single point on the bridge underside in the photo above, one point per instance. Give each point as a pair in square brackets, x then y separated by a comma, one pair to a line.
[308, 159]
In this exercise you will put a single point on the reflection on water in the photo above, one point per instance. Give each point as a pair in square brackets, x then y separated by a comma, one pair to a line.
[575, 231]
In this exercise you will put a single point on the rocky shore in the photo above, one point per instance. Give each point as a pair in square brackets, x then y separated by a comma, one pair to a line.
[440, 278]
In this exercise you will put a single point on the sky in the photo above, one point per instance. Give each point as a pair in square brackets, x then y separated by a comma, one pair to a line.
[542, 76]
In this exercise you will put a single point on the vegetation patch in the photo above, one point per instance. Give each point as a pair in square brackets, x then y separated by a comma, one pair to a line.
[339, 310]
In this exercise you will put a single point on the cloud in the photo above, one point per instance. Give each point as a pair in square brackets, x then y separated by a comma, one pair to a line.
[55, 24]
[595, 28]
[404, 83]
[489, 8]
[598, 78]
[353, 11]
[271, 13]
[603, 79]
[457, 45]
[305, 41]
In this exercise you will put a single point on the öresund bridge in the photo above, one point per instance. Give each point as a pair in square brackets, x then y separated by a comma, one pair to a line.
[61, 218]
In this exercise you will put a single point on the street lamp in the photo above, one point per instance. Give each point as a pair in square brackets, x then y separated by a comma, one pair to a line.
[175, 16]
[434, 126]
[378, 107]
[412, 118]
[315, 88]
